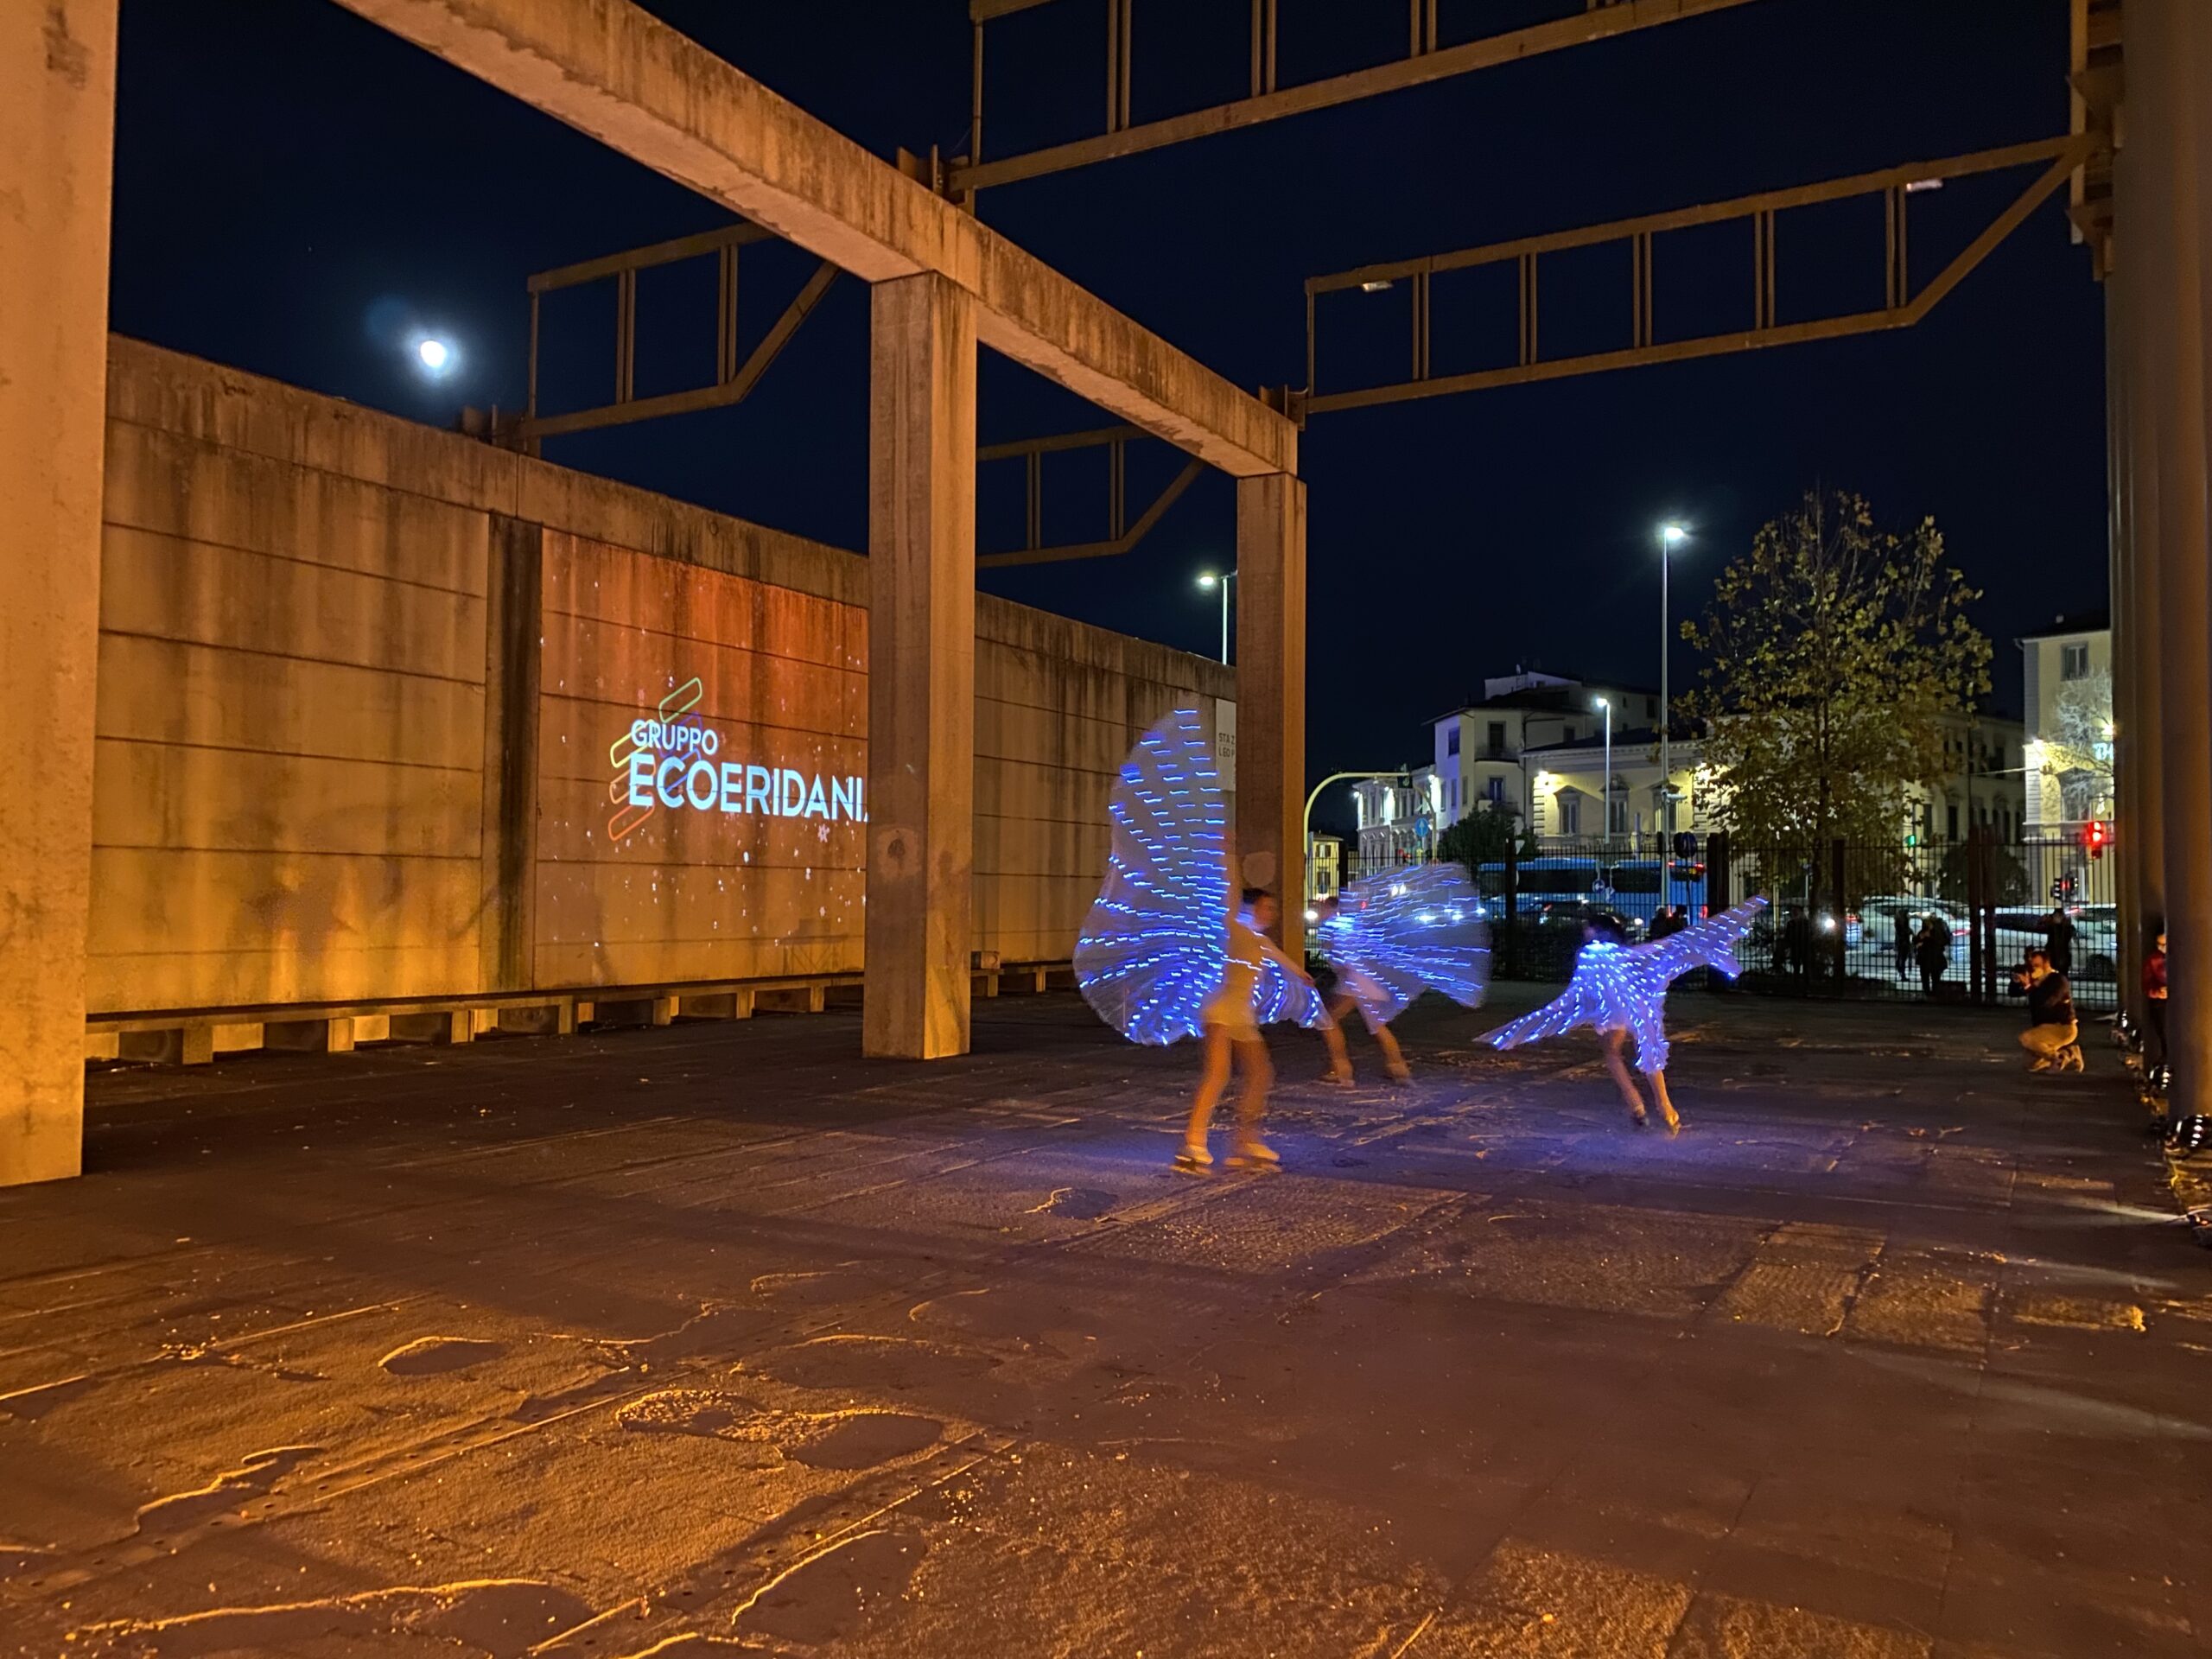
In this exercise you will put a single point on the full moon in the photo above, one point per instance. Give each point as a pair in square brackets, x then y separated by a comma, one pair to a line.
[435, 354]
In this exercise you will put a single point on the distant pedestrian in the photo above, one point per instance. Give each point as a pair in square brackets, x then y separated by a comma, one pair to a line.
[1797, 941]
[1931, 948]
[1904, 925]
[2059, 940]
[2154, 996]
[2053, 1034]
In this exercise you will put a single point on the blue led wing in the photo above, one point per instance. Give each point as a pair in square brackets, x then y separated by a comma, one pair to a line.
[1597, 994]
[1283, 997]
[1407, 930]
[1153, 947]
[1709, 943]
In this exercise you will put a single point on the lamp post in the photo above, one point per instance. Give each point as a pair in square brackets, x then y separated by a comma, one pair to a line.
[1208, 579]
[1305, 823]
[1668, 535]
[1605, 703]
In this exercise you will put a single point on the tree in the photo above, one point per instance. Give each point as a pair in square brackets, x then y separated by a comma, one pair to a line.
[2079, 748]
[1833, 651]
[2008, 876]
[1483, 836]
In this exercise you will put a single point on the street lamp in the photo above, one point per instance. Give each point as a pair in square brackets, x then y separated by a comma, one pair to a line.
[1208, 579]
[1668, 536]
[1605, 703]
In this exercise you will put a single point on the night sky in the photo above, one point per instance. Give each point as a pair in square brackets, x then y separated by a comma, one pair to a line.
[298, 192]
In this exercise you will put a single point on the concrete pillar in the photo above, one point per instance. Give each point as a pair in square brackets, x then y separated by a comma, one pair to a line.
[57, 134]
[2139, 869]
[921, 694]
[1271, 685]
[2163, 217]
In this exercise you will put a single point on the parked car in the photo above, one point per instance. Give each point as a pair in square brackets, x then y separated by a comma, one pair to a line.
[1871, 929]
[2096, 938]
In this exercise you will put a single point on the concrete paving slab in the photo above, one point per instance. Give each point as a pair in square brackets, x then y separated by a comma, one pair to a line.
[714, 1337]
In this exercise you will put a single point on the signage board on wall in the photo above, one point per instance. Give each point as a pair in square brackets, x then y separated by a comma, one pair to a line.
[673, 760]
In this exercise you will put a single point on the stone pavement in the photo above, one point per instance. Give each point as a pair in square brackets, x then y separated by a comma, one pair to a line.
[716, 1339]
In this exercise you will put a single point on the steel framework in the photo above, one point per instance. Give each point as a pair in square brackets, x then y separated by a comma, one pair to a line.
[1426, 60]
[734, 379]
[2065, 157]
[1122, 534]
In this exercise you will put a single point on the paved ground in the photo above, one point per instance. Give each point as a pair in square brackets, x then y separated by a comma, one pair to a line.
[715, 1338]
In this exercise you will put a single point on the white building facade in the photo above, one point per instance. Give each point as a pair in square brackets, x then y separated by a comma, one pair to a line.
[2066, 673]
[1535, 747]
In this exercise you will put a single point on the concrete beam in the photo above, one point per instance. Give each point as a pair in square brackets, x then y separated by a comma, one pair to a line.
[1271, 687]
[612, 71]
[57, 135]
[921, 668]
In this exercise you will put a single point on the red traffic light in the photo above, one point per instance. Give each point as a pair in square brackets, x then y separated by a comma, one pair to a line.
[2096, 835]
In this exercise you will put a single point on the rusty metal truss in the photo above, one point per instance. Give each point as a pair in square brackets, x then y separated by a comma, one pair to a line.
[735, 378]
[2064, 159]
[1122, 534]
[2093, 72]
[1426, 60]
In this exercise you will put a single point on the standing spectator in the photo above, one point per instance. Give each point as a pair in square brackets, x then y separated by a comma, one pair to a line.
[1903, 944]
[2059, 940]
[2053, 1034]
[2154, 996]
[1797, 941]
[1932, 949]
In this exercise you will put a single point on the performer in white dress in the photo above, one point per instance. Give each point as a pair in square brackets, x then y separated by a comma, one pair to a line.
[1389, 936]
[1165, 955]
[1621, 988]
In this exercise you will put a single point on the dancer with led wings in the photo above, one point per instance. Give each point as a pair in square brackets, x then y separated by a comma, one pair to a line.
[1392, 936]
[1172, 950]
[1621, 988]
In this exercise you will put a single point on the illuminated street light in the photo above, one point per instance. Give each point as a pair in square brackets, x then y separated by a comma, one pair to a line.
[1208, 579]
[1669, 536]
[1605, 703]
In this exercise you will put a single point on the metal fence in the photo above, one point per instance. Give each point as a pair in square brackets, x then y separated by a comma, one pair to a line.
[1933, 921]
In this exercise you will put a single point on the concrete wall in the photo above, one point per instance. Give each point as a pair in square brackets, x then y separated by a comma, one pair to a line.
[364, 690]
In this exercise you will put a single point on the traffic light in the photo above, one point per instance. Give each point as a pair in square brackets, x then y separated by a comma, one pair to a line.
[2096, 835]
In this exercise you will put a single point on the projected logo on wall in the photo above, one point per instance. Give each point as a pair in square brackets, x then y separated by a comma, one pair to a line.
[672, 762]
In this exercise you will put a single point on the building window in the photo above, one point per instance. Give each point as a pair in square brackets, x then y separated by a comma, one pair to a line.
[1497, 739]
[1570, 813]
[1616, 816]
[2073, 662]
[1569, 737]
[1494, 790]
[1451, 739]
[1951, 822]
[1651, 708]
